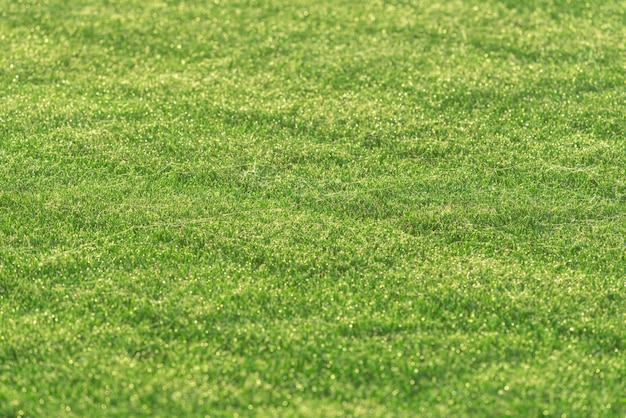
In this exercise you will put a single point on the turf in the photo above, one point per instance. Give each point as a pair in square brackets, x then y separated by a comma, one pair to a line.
[296, 208]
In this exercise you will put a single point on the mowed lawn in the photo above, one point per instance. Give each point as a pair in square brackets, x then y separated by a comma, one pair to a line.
[312, 208]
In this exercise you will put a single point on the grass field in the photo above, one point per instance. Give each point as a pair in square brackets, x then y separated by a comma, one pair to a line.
[298, 208]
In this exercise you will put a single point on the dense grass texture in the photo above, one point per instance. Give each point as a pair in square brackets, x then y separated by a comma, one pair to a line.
[298, 208]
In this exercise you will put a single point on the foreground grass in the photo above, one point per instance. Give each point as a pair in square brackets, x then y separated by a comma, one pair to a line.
[312, 209]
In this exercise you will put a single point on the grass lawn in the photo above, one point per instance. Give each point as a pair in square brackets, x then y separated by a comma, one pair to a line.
[297, 208]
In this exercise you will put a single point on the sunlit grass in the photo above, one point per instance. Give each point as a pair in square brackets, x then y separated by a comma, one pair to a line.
[287, 208]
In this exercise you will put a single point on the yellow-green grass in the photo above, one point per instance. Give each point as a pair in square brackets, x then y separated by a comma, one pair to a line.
[296, 208]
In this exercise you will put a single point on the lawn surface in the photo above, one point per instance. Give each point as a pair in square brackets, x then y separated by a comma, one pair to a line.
[297, 208]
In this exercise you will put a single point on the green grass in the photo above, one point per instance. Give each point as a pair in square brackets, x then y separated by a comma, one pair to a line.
[296, 208]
